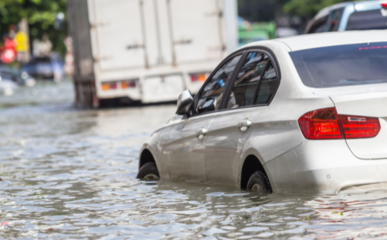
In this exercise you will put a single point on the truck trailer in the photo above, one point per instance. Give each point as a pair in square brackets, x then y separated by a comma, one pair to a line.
[147, 51]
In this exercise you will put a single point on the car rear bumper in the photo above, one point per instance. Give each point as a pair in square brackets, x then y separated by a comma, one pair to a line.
[325, 166]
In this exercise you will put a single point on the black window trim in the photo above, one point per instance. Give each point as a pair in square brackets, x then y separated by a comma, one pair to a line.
[274, 61]
[255, 97]
[243, 52]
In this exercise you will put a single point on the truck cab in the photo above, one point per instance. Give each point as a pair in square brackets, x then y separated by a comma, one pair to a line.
[364, 15]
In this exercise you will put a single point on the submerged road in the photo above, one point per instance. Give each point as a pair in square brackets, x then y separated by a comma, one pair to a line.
[70, 173]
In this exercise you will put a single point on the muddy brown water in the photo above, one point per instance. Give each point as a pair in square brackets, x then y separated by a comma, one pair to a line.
[69, 173]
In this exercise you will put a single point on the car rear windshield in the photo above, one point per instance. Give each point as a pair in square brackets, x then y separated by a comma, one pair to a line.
[343, 65]
[374, 19]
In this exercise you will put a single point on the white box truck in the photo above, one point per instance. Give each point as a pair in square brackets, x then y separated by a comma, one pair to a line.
[147, 51]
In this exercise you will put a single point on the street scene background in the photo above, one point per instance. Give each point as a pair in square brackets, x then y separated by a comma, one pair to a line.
[69, 172]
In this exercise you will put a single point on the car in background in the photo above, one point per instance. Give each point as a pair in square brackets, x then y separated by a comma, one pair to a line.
[298, 114]
[46, 67]
[7, 85]
[16, 75]
[364, 15]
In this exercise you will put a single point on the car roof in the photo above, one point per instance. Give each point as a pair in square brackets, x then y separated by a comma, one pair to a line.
[327, 10]
[317, 40]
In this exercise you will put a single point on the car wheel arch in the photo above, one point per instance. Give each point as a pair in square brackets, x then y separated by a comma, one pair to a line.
[250, 164]
[145, 157]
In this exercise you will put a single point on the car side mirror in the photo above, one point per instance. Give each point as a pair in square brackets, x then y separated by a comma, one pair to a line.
[184, 102]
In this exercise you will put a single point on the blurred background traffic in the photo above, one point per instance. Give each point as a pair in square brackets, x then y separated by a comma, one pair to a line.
[148, 51]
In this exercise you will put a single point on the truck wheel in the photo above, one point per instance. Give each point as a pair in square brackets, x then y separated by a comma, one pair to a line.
[148, 171]
[258, 182]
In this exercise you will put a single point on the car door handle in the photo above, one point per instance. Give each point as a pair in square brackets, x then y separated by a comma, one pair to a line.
[244, 125]
[202, 132]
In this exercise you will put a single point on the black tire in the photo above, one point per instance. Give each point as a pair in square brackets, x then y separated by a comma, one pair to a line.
[148, 171]
[258, 182]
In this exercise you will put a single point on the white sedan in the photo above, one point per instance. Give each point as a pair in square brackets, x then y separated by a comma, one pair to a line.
[300, 114]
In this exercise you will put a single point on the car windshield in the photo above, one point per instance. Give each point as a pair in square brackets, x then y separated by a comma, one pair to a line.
[344, 65]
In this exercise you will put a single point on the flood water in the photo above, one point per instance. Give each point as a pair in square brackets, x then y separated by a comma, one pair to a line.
[70, 173]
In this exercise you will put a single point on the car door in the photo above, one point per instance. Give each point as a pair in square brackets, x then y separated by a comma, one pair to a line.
[248, 97]
[186, 148]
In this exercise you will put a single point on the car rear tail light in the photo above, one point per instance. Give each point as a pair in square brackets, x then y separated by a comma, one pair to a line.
[201, 77]
[109, 86]
[327, 124]
[359, 127]
[384, 4]
[128, 84]
[320, 124]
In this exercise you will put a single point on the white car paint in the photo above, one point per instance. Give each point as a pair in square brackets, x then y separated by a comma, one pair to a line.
[292, 162]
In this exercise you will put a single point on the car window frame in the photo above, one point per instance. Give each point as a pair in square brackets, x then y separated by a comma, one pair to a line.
[229, 90]
[273, 60]
[197, 96]
[316, 23]
[330, 19]
[244, 52]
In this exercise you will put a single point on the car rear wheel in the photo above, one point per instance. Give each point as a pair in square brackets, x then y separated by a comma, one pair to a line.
[258, 182]
[148, 171]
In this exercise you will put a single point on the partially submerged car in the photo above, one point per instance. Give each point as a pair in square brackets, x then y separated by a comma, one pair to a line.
[299, 114]
[46, 67]
[7, 86]
[16, 75]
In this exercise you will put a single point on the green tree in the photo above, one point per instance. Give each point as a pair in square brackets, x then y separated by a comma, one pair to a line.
[41, 16]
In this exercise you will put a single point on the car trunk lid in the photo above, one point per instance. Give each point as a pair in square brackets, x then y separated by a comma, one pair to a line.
[365, 101]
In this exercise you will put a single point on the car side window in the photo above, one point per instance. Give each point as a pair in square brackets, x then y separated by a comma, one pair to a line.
[268, 85]
[255, 70]
[319, 25]
[334, 19]
[211, 97]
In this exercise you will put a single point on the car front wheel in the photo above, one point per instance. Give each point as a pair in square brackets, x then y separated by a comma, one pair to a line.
[148, 171]
[258, 182]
